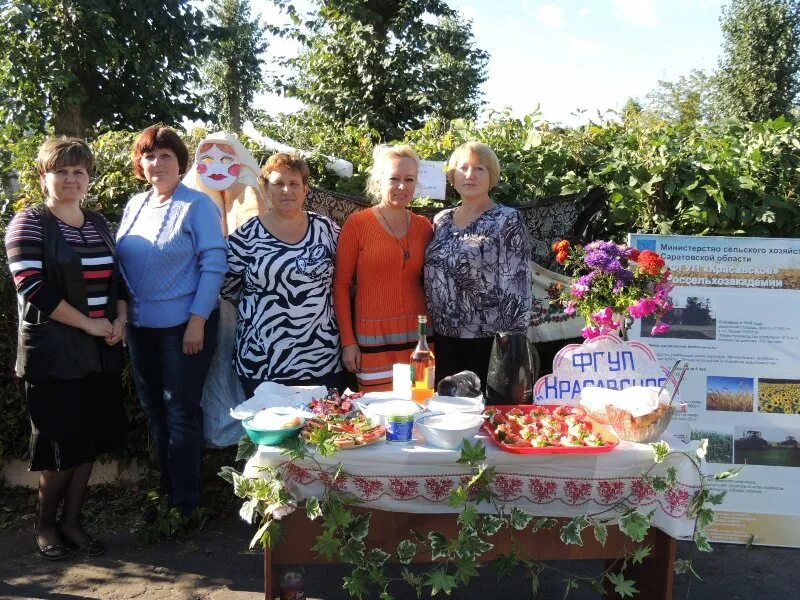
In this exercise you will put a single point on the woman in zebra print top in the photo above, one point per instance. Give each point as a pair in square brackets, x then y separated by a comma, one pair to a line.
[280, 271]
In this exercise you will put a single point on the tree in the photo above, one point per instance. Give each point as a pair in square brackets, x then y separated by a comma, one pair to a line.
[758, 72]
[233, 69]
[685, 100]
[77, 66]
[386, 64]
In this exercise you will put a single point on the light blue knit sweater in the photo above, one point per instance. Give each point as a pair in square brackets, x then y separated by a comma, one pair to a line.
[173, 257]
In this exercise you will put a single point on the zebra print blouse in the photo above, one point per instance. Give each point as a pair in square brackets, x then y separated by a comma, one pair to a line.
[285, 326]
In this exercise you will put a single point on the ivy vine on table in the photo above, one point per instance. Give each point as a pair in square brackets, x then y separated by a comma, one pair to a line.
[344, 533]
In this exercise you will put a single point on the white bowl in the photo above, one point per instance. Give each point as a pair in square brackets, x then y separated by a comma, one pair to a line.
[378, 410]
[455, 404]
[448, 430]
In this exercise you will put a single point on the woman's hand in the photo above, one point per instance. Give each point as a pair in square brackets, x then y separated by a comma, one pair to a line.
[117, 331]
[351, 358]
[98, 327]
[193, 337]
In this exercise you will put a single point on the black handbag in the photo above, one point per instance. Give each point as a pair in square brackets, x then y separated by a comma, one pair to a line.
[513, 369]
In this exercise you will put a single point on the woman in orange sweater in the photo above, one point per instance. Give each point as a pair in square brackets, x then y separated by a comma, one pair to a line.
[380, 256]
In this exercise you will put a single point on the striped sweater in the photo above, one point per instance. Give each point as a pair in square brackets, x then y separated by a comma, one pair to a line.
[25, 251]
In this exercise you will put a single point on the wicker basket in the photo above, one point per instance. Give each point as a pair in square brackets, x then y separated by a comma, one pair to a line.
[647, 428]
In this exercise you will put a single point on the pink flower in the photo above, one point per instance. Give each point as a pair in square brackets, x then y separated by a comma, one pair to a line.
[605, 316]
[659, 327]
[579, 289]
[569, 309]
[643, 308]
[590, 332]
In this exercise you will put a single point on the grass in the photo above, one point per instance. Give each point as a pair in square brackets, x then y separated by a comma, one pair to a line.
[771, 457]
[731, 401]
[720, 445]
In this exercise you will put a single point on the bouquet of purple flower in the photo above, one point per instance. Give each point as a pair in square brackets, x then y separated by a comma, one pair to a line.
[611, 283]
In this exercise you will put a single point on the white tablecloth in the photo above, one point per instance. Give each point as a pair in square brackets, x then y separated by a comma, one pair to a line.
[415, 478]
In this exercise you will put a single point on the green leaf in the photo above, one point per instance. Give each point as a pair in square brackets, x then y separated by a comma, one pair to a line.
[716, 499]
[377, 557]
[438, 545]
[519, 519]
[701, 542]
[728, 474]
[571, 584]
[468, 516]
[356, 584]
[491, 524]
[635, 525]
[458, 496]
[684, 565]
[227, 474]
[472, 454]
[246, 449]
[353, 551]
[544, 524]
[440, 581]
[406, 551]
[705, 517]
[601, 533]
[411, 578]
[328, 545]
[640, 553]
[466, 569]
[359, 528]
[504, 564]
[241, 485]
[337, 515]
[313, 509]
[571, 532]
[622, 587]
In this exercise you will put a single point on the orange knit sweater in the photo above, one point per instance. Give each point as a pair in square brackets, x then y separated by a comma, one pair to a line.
[389, 293]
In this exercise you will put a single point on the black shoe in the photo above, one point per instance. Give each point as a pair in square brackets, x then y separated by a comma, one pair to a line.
[57, 551]
[91, 547]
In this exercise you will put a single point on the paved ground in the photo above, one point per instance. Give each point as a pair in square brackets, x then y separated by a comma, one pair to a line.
[215, 565]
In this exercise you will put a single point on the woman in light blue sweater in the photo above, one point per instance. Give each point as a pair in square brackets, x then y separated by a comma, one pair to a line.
[173, 257]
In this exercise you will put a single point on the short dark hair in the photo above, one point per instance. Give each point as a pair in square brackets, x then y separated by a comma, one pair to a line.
[159, 137]
[58, 152]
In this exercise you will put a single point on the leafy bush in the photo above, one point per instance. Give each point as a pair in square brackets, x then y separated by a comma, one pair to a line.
[728, 178]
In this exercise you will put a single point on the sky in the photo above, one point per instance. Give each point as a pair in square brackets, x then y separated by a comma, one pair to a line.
[570, 56]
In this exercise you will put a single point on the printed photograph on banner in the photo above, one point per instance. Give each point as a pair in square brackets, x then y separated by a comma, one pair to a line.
[729, 393]
[766, 446]
[720, 443]
[779, 396]
[692, 318]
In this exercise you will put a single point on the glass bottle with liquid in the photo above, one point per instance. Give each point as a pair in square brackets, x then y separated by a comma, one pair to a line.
[423, 365]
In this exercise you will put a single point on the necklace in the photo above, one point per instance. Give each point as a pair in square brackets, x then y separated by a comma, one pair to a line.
[405, 249]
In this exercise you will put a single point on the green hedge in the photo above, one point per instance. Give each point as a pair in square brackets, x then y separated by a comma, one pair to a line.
[727, 178]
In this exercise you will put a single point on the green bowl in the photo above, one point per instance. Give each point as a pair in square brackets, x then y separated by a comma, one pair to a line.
[270, 437]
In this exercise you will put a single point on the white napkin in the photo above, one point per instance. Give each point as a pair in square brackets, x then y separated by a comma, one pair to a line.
[637, 400]
[275, 395]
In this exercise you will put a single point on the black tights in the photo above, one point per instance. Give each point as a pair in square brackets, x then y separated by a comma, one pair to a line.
[69, 486]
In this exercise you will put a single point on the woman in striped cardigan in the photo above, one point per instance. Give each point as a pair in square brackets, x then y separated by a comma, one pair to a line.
[379, 262]
[72, 319]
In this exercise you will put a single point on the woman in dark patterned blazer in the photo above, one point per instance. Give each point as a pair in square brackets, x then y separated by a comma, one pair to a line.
[477, 277]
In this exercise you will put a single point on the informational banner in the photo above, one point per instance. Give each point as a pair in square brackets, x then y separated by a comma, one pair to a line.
[431, 181]
[737, 322]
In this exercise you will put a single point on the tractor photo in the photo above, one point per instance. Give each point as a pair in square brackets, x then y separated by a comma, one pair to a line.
[752, 440]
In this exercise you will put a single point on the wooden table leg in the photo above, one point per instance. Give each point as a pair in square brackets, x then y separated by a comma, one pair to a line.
[271, 583]
[655, 576]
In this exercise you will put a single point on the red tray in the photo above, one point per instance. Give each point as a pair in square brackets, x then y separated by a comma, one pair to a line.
[526, 408]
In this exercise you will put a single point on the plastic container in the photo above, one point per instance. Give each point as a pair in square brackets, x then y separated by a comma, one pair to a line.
[456, 404]
[269, 437]
[610, 438]
[448, 430]
[400, 421]
[379, 409]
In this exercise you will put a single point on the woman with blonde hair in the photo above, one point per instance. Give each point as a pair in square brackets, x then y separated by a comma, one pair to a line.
[379, 262]
[477, 276]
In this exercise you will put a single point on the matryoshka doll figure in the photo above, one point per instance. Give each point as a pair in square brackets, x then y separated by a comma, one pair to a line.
[226, 171]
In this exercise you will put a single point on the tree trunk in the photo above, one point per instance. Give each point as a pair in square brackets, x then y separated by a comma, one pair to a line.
[69, 121]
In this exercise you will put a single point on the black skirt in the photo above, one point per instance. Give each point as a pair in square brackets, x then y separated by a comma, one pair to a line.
[73, 421]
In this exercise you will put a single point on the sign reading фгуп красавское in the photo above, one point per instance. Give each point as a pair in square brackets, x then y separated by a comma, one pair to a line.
[606, 362]
[736, 321]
